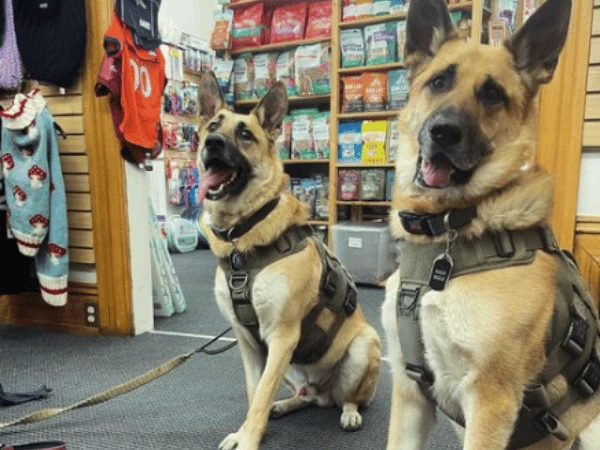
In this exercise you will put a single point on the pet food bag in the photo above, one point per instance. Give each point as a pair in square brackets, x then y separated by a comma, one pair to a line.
[320, 133]
[321, 197]
[223, 69]
[243, 77]
[283, 144]
[397, 6]
[372, 184]
[374, 139]
[401, 39]
[265, 72]
[380, 43]
[319, 20]
[313, 69]
[285, 71]
[353, 47]
[375, 91]
[352, 93]
[390, 176]
[349, 184]
[288, 23]
[309, 194]
[349, 142]
[303, 146]
[364, 8]
[397, 88]
[382, 7]
[221, 35]
[268, 21]
[393, 140]
[349, 10]
[247, 26]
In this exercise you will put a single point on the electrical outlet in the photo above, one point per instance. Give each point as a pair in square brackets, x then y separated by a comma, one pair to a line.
[91, 314]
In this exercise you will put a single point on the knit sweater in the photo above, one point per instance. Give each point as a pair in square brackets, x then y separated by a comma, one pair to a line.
[35, 191]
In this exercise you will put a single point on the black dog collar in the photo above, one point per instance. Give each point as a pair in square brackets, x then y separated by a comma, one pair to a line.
[242, 227]
[433, 224]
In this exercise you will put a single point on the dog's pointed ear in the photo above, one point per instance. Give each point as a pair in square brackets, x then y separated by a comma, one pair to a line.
[271, 110]
[537, 45]
[428, 26]
[211, 97]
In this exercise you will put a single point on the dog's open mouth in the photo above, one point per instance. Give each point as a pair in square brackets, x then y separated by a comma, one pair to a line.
[217, 182]
[438, 172]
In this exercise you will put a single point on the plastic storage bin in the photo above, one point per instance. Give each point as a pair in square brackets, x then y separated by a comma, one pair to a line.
[366, 249]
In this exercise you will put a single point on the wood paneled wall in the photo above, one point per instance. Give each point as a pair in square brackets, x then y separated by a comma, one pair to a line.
[591, 130]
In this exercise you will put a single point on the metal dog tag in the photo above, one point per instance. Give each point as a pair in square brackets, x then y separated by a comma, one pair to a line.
[440, 272]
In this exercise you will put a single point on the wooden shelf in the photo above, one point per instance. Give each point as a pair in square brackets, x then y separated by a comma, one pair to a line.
[365, 166]
[373, 68]
[318, 223]
[305, 161]
[362, 203]
[280, 46]
[294, 100]
[369, 115]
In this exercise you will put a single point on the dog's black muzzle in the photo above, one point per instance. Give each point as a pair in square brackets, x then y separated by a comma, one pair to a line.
[220, 154]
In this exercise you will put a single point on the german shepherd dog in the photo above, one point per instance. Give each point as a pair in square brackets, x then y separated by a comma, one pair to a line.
[469, 133]
[240, 173]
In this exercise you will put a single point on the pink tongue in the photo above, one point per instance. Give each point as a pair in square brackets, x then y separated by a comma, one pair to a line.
[436, 175]
[211, 179]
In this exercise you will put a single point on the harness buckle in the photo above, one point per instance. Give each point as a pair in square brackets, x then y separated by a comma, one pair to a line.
[238, 281]
[588, 381]
[329, 287]
[418, 374]
[574, 341]
[407, 299]
[503, 241]
[554, 426]
[351, 301]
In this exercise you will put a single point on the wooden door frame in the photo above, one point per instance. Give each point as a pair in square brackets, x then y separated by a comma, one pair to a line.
[561, 120]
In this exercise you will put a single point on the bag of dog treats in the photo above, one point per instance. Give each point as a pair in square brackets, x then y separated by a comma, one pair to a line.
[349, 10]
[372, 184]
[268, 21]
[353, 47]
[223, 69]
[283, 144]
[247, 26]
[309, 194]
[390, 176]
[364, 8]
[352, 93]
[303, 146]
[313, 69]
[265, 65]
[374, 139]
[375, 91]
[349, 142]
[285, 71]
[288, 23]
[319, 20]
[380, 43]
[243, 77]
[396, 6]
[322, 197]
[221, 35]
[382, 7]
[397, 88]
[349, 184]
[393, 140]
[401, 39]
[320, 131]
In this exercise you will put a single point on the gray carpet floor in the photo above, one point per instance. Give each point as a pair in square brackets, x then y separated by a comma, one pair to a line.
[194, 407]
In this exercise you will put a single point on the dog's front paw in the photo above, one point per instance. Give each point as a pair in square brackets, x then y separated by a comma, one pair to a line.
[351, 421]
[237, 441]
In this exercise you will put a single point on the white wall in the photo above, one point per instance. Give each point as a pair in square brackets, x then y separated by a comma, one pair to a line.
[192, 16]
[589, 183]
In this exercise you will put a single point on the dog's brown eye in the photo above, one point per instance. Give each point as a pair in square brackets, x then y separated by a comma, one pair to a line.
[491, 94]
[438, 83]
[213, 127]
[245, 134]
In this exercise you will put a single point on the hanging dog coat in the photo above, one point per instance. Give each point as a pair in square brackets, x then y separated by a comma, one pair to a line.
[11, 69]
[51, 38]
[141, 16]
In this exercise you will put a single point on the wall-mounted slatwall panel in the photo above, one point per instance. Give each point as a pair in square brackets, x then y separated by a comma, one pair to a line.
[591, 128]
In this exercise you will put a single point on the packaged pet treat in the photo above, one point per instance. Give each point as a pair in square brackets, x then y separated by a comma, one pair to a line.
[364, 9]
[349, 142]
[268, 21]
[309, 194]
[375, 91]
[288, 23]
[353, 47]
[373, 153]
[374, 138]
[296, 187]
[313, 69]
[382, 7]
[303, 146]
[223, 69]
[221, 35]
[349, 10]
[390, 176]
[285, 71]
[396, 6]
[401, 39]
[320, 132]
[265, 68]
[348, 184]
[247, 26]
[283, 144]
[352, 93]
[372, 184]
[380, 43]
[319, 20]
[397, 88]
[243, 77]
[393, 140]
[321, 197]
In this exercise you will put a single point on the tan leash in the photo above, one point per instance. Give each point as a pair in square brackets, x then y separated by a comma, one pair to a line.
[124, 388]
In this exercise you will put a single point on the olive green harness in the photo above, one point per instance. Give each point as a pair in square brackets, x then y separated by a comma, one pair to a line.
[572, 346]
[337, 291]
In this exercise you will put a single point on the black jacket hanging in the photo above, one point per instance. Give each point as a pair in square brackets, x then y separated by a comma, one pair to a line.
[2, 24]
[51, 38]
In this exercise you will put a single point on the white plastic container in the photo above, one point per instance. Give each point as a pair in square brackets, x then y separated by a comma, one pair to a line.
[182, 235]
[366, 249]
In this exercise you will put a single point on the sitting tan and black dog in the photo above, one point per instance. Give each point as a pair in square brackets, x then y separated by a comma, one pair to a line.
[486, 319]
[292, 305]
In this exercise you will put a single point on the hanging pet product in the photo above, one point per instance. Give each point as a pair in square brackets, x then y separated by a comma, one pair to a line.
[182, 235]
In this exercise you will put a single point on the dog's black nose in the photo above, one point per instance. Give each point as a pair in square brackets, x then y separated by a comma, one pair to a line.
[215, 143]
[446, 135]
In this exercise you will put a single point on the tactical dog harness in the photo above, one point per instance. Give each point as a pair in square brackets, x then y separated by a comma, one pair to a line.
[337, 291]
[572, 346]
